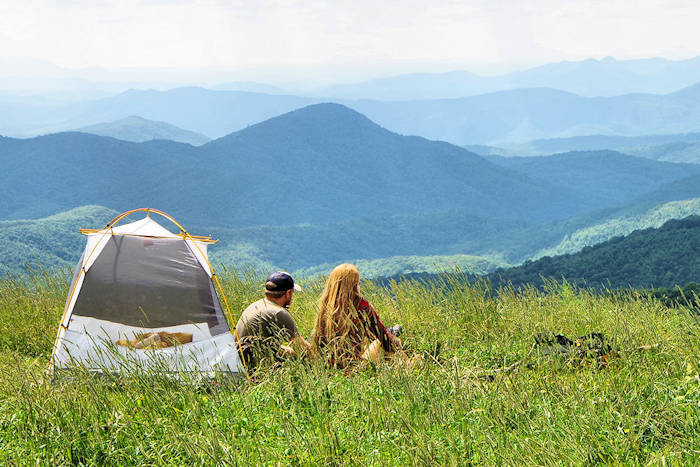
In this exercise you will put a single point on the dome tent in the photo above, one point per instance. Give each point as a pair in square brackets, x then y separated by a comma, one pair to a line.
[144, 297]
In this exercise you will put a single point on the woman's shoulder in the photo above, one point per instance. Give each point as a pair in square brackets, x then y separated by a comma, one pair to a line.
[361, 304]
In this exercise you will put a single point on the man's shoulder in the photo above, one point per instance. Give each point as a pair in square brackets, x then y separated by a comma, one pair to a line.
[264, 306]
[253, 307]
[256, 303]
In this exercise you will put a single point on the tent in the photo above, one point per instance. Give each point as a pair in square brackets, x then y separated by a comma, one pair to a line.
[144, 297]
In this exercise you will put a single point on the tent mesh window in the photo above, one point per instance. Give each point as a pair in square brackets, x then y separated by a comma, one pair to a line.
[149, 282]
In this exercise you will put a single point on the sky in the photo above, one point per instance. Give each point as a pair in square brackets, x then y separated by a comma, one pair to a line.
[342, 40]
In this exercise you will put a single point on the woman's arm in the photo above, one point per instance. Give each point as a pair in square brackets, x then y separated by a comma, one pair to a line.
[376, 328]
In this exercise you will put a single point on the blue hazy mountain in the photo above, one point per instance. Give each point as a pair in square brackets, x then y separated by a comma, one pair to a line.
[322, 163]
[208, 112]
[331, 162]
[138, 129]
[682, 151]
[669, 147]
[605, 77]
[504, 117]
[604, 175]
[527, 114]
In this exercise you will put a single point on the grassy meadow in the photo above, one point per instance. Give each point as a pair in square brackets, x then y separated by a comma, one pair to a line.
[643, 408]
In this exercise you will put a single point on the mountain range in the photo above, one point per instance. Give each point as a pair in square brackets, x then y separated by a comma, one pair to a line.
[325, 184]
[323, 163]
[526, 114]
[591, 77]
[500, 118]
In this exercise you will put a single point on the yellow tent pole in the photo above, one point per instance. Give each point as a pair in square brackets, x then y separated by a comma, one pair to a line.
[63, 317]
[199, 238]
[121, 216]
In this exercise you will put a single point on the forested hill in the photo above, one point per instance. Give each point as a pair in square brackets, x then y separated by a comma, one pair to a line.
[48, 243]
[663, 257]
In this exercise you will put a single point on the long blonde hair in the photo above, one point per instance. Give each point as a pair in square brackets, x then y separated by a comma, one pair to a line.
[337, 315]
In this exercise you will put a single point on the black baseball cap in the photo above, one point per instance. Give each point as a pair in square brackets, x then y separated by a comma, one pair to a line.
[280, 281]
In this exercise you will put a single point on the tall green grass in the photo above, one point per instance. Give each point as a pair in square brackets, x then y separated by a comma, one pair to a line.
[643, 408]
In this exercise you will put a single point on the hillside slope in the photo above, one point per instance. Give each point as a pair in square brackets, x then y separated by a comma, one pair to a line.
[623, 222]
[663, 257]
[385, 247]
[55, 173]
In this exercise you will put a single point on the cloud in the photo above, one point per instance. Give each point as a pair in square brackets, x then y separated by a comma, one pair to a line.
[240, 34]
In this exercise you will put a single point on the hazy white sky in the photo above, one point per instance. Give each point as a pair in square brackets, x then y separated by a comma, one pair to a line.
[379, 35]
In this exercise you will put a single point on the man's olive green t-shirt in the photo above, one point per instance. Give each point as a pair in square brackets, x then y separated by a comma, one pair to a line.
[263, 326]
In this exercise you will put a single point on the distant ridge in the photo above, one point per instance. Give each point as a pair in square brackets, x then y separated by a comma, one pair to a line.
[682, 147]
[138, 129]
[500, 118]
[520, 115]
[591, 77]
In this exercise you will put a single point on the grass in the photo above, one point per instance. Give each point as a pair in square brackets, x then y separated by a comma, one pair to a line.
[643, 408]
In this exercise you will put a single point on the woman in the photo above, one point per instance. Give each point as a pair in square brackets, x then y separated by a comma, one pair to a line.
[348, 328]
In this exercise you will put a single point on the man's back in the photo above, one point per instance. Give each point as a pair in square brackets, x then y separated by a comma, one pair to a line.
[263, 326]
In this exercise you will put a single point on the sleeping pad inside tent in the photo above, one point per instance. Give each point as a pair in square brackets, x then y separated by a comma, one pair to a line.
[143, 297]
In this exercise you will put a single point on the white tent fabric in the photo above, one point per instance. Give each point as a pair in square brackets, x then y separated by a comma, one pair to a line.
[98, 351]
[140, 278]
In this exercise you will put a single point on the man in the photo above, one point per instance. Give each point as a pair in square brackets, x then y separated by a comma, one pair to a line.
[266, 325]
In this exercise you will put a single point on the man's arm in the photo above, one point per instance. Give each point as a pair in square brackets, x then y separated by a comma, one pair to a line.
[297, 346]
